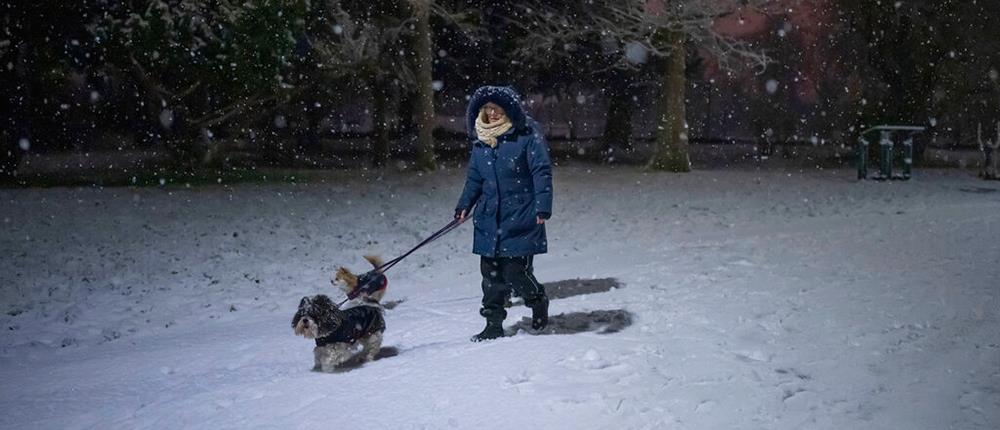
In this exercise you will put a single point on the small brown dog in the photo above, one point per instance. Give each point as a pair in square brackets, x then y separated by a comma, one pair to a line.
[338, 332]
[348, 282]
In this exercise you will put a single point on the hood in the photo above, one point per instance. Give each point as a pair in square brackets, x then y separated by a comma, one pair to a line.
[505, 97]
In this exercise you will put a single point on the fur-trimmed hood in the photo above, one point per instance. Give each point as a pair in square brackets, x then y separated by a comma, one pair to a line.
[505, 97]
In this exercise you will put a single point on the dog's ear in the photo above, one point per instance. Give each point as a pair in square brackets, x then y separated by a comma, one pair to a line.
[304, 307]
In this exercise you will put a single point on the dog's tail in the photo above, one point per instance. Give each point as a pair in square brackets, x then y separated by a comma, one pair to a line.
[375, 260]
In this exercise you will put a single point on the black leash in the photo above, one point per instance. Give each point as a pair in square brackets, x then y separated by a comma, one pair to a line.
[437, 235]
[374, 280]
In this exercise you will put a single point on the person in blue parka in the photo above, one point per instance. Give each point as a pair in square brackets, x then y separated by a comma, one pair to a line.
[509, 186]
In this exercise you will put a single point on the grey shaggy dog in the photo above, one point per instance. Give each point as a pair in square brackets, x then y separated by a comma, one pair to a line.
[339, 332]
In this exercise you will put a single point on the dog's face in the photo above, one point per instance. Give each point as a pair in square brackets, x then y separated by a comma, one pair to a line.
[345, 280]
[317, 317]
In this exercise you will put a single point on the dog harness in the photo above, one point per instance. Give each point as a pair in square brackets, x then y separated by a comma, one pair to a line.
[369, 283]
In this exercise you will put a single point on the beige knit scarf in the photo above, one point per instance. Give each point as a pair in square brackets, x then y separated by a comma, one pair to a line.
[488, 132]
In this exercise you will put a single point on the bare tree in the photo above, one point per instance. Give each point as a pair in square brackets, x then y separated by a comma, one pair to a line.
[422, 58]
[989, 148]
[364, 43]
[387, 45]
[634, 30]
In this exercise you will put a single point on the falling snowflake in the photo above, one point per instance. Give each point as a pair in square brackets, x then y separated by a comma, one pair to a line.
[771, 86]
[167, 118]
[636, 53]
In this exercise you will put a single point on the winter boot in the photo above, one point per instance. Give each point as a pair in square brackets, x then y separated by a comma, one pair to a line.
[540, 314]
[494, 324]
[493, 330]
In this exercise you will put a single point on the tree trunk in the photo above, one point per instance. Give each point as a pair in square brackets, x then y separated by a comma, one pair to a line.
[179, 137]
[17, 99]
[10, 154]
[424, 106]
[670, 150]
[381, 121]
[307, 137]
[618, 128]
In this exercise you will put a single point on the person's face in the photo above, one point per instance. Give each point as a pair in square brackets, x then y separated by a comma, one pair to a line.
[493, 112]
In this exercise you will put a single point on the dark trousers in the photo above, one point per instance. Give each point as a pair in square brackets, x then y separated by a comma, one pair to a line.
[501, 276]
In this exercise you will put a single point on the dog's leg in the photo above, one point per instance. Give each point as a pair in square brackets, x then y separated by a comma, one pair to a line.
[340, 354]
[371, 345]
[330, 357]
[318, 353]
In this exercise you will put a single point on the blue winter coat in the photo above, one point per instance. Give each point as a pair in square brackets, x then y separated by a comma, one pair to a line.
[509, 185]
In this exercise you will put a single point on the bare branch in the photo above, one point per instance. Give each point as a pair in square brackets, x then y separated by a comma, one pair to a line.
[467, 21]
[220, 116]
[616, 24]
[358, 45]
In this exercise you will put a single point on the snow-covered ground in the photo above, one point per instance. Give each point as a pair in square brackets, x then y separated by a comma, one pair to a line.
[780, 299]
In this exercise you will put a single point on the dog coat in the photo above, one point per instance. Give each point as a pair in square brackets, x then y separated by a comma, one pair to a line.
[358, 322]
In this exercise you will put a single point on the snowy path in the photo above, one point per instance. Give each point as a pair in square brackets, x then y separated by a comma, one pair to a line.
[758, 300]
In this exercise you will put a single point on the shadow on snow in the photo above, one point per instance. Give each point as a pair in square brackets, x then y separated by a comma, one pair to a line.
[355, 361]
[599, 321]
[577, 287]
